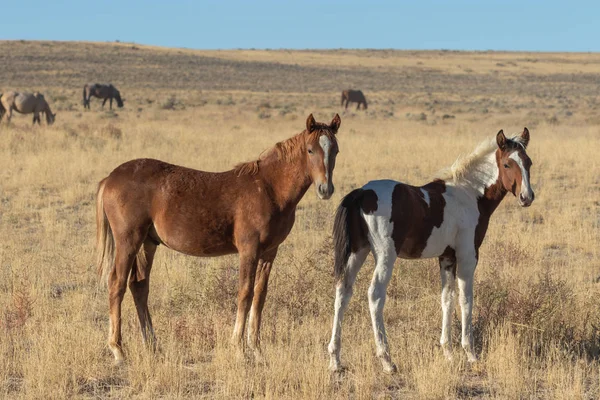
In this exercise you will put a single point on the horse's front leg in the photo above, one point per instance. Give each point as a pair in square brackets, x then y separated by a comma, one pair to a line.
[110, 102]
[467, 262]
[104, 102]
[448, 276]
[248, 264]
[260, 294]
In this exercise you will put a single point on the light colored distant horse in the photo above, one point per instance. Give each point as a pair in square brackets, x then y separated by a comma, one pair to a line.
[25, 103]
[446, 218]
[106, 92]
[354, 96]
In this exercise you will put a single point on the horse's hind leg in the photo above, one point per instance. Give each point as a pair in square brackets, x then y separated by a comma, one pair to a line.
[139, 284]
[104, 102]
[127, 246]
[385, 255]
[9, 113]
[343, 293]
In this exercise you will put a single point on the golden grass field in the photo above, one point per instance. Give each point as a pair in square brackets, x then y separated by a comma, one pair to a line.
[536, 313]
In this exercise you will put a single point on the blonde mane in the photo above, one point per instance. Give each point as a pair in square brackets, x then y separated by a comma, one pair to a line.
[465, 164]
[286, 150]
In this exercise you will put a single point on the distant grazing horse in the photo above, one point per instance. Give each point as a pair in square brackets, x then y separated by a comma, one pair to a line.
[249, 210]
[354, 96]
[25, 103]
[106, 92]
[446, 218]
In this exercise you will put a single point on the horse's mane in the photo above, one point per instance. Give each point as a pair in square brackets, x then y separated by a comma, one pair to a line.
[286, 150]
[464, 164]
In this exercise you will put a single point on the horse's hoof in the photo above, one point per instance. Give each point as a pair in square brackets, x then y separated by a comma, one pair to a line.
[337, 369]
[119, 362]
[390, 369]
[448, 355]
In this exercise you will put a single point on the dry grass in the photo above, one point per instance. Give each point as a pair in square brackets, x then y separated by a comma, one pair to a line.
[536, 310]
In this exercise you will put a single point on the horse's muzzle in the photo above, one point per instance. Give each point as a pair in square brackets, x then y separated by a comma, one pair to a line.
[525, 201]
[324, 190]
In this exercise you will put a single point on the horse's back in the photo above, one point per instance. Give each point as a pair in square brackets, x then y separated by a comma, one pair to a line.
[356, 96]
[191, 211]
[25, 102]
[407, 216]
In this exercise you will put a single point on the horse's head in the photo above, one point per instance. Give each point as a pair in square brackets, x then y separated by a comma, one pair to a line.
[50, 118]
[514, 165]
[321, 150]
[118, 98]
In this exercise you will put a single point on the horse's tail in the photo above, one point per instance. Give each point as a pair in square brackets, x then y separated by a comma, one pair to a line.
[343, 97]
[105, 242]
[2, 109]
[349, 231]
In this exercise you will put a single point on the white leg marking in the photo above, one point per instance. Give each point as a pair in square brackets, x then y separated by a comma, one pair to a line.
[466, 264]
[385, 257]
[343, 293]
[448, 283]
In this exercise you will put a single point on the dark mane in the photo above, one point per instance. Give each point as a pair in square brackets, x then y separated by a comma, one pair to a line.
[286, 150]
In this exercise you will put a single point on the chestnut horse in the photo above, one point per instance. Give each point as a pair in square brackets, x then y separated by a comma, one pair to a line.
[106, 92]
[354, 96]
[446, 218]
[249, 210]
[25, 103]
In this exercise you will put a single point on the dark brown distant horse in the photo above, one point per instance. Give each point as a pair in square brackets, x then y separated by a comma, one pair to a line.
[25, 103]
[249, 210]
[106, 92]
[354, 96]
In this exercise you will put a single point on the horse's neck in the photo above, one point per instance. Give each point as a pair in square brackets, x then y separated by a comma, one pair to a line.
[484, 179]
[288, 180]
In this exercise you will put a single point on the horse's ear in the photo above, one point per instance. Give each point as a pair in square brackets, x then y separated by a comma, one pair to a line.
[335, 123]
[310, 123]
[525, 137]
[501, 140]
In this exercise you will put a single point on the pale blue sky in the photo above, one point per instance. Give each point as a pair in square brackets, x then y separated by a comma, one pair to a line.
[461, 25]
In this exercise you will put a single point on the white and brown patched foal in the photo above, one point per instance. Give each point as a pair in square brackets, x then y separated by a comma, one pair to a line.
[446, 218]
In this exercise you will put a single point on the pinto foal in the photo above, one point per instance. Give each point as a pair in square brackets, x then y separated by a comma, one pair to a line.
[447, 219]
[249, 210]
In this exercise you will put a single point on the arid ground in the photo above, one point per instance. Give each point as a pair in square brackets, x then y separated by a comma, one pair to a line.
[536, 315]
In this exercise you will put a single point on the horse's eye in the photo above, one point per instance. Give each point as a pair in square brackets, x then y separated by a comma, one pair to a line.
[310, 151]
[506, 166]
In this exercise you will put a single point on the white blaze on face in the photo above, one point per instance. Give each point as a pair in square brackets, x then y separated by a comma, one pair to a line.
[526, 190]
[325, 143]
